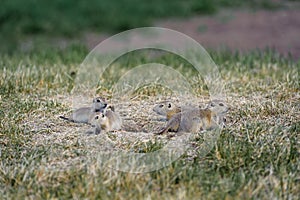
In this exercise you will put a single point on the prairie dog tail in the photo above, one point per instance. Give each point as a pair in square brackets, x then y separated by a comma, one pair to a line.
[66, 118]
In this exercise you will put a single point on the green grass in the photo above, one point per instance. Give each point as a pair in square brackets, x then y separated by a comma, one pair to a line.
[256, 157]
[21, 20]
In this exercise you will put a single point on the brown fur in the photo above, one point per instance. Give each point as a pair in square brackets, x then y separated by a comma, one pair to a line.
[194, 120]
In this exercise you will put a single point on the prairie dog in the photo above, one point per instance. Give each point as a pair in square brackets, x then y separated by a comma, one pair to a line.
[167, 109]
[218, 106]
[83, 114]
[106, 121]
[219, 109]
[197, 119]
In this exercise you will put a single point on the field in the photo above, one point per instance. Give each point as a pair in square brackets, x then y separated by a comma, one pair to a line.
[257, 155]
[35, 22]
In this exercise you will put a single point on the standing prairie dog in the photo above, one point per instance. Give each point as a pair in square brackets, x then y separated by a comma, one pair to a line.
[83, 114]
[196, 119]
[106, 121]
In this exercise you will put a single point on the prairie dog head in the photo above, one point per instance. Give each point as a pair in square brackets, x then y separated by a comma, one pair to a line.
[166, 108]
[100, 120]
[99, 104]
[110, 107]
[107, 109]
[218, 106]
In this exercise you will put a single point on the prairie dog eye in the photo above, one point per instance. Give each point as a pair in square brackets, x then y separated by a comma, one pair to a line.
[103, 116]
[97, 117]
[111, 107]
[221, 104]
[161, 105]
[169, 105]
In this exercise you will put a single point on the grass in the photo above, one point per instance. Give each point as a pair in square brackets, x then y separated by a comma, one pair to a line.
[20, 22]
[256, 157]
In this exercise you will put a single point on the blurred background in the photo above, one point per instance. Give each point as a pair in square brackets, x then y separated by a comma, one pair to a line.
[221, 25]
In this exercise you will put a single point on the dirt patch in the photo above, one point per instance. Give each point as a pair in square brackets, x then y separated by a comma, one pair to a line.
[244, 30]
[241, 31]
[62, 137]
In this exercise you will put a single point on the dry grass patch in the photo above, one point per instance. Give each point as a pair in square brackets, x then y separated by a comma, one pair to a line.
[256, 156]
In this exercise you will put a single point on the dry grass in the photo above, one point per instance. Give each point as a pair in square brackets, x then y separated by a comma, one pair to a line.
[256, 156]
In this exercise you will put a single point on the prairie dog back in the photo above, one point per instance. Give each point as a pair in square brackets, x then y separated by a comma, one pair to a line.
[189, 121]
[115, 119]
[83, 114]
